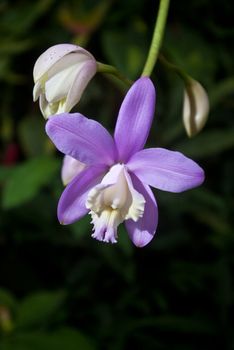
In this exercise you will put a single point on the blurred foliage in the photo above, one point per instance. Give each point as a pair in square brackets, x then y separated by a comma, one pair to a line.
[59, 288]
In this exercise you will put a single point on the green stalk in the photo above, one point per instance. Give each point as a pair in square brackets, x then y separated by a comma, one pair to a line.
[171, 66]
[106, 68]
[157, 38]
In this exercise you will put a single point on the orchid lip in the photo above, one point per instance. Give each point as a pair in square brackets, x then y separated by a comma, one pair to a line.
[113, 201]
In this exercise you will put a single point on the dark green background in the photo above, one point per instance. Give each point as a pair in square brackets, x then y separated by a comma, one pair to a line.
[60, 289]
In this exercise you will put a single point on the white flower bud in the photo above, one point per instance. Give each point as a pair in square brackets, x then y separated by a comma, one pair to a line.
[196, 107]
[61, 75]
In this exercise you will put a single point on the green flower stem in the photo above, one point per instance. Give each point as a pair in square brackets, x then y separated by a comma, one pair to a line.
[105, 68]
[157, 38]
[184, 76]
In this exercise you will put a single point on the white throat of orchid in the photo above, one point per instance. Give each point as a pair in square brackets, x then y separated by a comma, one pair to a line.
[113, 201]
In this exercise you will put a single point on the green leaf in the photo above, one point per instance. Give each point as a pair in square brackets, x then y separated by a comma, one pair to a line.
[176, 324]
[4, 67]
[6, 299]
[27, 179]
[221, 90]
[66, 338]
[5, 172]
[10, 47]
[208, 143]
[36, 309]
[190, 51]
[32, 136]
[131, 57]
[25, 15]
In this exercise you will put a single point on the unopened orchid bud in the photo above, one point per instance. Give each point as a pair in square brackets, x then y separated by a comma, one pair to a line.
[70, 168]
[61, 75]
[196, 107]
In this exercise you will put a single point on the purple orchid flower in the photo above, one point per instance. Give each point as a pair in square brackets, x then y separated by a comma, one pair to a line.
[114, 185]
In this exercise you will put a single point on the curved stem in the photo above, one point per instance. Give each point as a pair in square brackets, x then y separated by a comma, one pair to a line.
[106, 68]
[157, 38]
[184, 76]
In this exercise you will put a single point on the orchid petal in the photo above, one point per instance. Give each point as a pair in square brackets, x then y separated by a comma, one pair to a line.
[57, 87]
[52, 55]
[77, 58]
[45, 107]
[136, 210]
[70, 169]
[166, 170]
[81, 138]
[71, 206]
[135, 118]
[142, 231]
[36, 91]
[81, 80]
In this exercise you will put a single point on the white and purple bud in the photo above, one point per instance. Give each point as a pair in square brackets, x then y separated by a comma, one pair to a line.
[195, 108]
[61, 75]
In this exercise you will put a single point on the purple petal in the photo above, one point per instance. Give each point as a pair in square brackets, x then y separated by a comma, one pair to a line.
[70, 169]
[135, 118]
[71, 206]
[81, 138]
[142, 231]
[166, 170]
